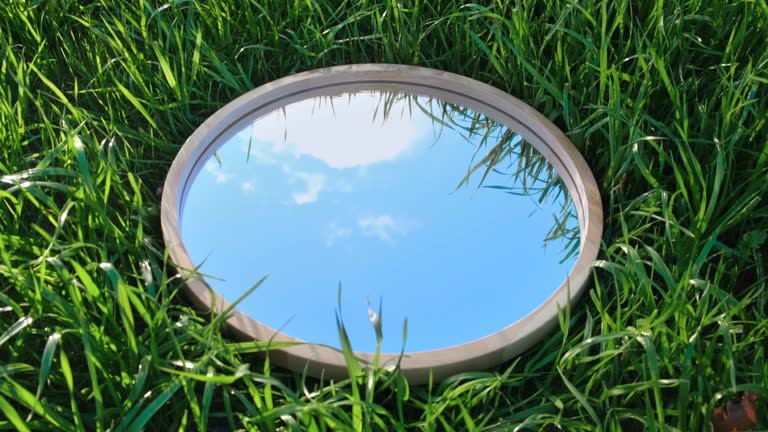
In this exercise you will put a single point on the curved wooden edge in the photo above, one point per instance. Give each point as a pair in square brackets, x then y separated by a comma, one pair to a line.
[322, 361]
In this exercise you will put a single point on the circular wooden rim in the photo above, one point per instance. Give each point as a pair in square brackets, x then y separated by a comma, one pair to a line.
[319, 360]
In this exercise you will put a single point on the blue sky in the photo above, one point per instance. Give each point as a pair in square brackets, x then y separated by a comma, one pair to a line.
[315, 194]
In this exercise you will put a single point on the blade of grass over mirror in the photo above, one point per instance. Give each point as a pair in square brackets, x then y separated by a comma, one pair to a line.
[667, 100]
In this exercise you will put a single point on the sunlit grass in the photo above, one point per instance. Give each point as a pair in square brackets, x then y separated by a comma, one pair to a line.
[666, 100]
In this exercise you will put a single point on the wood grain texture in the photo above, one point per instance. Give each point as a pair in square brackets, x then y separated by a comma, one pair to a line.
[536, 129]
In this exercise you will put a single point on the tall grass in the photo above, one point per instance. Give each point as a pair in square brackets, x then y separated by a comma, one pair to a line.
[667, 101]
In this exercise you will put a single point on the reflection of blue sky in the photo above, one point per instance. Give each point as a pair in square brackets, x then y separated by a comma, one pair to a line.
[310, 129]
[371, 204]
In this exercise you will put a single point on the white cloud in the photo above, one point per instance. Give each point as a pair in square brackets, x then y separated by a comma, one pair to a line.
[336, 232]
[256, 152]
[347, 131]
[383, 227]
[247, 186]
[345, 187]
[314, 183]
[219, 176]
[211, 166]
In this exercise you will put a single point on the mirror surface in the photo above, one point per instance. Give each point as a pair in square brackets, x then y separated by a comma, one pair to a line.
[446, 217]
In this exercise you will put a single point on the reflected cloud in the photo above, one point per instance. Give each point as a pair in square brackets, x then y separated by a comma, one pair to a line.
[214, 169]
[255, 151]
[313, 182]
[364, 203]
[343, 186]
[384, 227]
[211, 166]
[310, 128]
[336, 232]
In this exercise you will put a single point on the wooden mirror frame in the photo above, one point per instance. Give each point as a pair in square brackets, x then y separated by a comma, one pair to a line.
[319, 360]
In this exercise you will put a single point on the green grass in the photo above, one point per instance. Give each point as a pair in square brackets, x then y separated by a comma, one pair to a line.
[667, 100]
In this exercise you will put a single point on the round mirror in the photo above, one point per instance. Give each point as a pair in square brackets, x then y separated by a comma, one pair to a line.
[430, 209]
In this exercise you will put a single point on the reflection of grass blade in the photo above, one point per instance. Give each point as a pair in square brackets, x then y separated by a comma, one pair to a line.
[489, 161]
[250, 146]
[500, 151]
[531, 168]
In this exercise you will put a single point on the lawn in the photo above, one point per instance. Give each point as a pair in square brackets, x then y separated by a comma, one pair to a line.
[666, 100]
